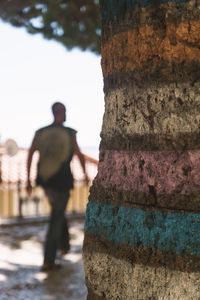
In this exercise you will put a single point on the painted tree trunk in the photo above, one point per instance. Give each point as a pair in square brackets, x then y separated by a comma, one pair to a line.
[142, 228]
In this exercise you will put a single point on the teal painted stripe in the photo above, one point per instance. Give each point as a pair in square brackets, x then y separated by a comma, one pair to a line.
[175, 232]
[119, 8]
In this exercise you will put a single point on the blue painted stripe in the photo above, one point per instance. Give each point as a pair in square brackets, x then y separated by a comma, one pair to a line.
[175, 232]
[119, 8]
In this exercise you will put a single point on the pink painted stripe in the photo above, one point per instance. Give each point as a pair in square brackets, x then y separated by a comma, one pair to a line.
[168, 171]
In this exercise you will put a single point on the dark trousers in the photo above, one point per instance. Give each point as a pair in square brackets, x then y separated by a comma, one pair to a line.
[57, 237]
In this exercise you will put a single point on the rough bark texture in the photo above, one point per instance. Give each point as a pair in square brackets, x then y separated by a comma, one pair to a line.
[142, 228]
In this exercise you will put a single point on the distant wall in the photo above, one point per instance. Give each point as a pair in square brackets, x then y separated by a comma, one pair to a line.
[37, 204]
[14, 176]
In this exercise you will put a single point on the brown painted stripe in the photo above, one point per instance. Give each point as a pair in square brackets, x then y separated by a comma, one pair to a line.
[120, 9]
[129, 50]
[151, 142]
[141, 255]
[133, 199]
[152, 16]
[152, 74]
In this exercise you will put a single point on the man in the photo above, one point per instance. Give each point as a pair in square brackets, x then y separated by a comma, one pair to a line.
[56, 145]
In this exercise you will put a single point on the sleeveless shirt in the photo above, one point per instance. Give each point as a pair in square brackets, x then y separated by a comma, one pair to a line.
[55, 144]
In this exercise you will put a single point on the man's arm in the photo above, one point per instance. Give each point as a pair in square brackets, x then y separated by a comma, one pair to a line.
[28, 166]
[81, 159]
[90, 159]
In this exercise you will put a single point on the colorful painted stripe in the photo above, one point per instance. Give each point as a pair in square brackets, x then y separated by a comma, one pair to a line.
[150, 200]
[127, 50]
[120, 8]
[158, 109]
[151, 172]
[148, 76]
[151, 15]
[111, 278]
[141, 255]
[151, 142]
[178, 233]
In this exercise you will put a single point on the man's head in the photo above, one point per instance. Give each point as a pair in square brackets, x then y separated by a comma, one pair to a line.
[59, 112]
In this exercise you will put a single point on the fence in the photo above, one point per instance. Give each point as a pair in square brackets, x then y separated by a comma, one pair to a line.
[14, 201]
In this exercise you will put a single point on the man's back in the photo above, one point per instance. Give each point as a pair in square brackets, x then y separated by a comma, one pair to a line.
[55, 144]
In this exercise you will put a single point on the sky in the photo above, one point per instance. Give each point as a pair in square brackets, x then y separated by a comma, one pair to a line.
[34, 73]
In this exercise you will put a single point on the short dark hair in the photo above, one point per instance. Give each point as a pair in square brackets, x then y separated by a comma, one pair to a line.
[57, 107]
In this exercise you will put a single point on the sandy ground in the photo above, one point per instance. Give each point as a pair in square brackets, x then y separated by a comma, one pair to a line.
[21, 256]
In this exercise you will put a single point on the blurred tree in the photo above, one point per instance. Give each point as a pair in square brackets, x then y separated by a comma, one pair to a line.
[73, 23]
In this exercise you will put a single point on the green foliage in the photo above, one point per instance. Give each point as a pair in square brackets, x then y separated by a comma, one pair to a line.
[74, 23]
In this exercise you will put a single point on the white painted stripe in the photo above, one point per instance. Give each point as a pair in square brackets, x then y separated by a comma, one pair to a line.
[157, 109]
[118, 279]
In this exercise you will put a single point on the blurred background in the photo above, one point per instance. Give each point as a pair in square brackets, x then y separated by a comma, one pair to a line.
[54, 63]
[50, 51]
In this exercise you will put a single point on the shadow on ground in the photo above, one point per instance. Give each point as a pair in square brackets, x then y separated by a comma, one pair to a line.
[21, 249]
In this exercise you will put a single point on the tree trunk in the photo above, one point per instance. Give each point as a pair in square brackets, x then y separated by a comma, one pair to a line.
[142, 228]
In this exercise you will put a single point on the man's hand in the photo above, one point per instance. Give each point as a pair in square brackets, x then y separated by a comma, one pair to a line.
[29, 187]
[87, 180]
